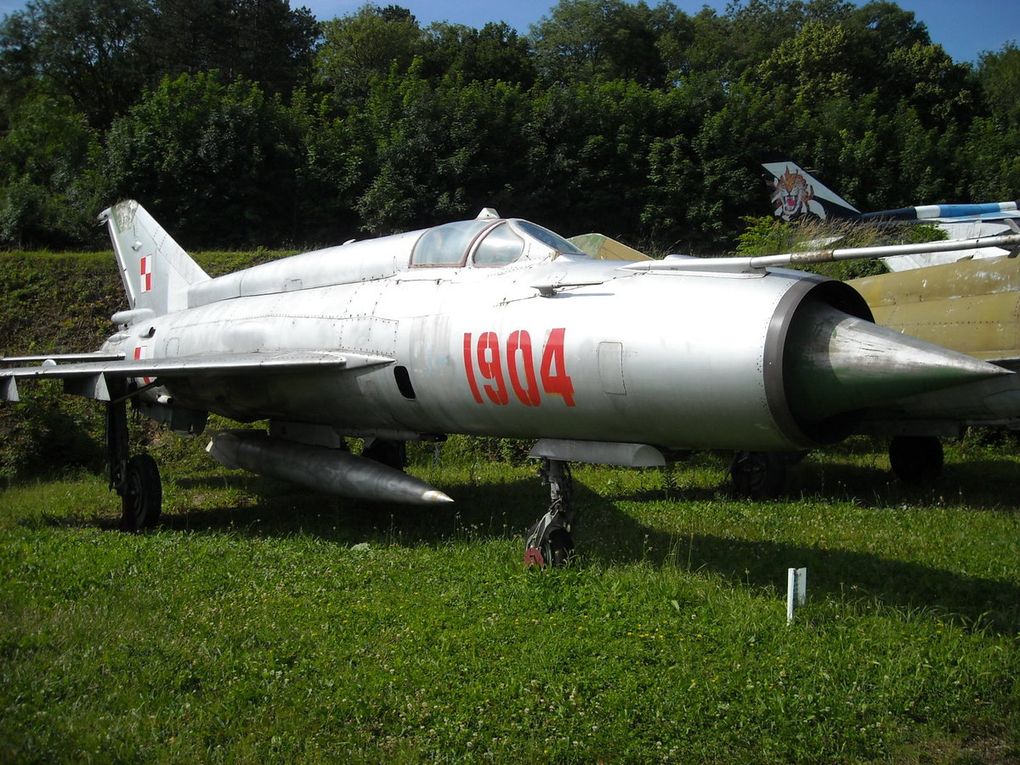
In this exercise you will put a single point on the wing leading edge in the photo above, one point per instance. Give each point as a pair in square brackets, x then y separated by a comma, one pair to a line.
[88, 378]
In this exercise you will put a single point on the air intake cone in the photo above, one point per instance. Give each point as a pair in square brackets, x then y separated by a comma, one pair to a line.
[837, 363]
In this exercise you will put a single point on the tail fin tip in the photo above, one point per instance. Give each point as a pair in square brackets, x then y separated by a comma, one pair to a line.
[155, 270]
[798, 193]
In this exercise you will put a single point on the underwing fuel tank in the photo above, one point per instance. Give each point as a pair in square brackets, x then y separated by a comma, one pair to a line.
[321, 469]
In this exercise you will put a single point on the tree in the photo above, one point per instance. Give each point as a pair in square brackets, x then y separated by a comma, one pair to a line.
[990, 158]
[88, 50]
[264, 41]
[999, 76]
[19, 70]
[46, 197]
[749, 33]
[337, 157]
[812, 64]
[879, 28]
[700, 188]
[360, 48]
[442, 150]
[221, 160]
[643, 122]
[938, 88]
[588, 156]
[104, 53]
[609, 39]
[494, 52]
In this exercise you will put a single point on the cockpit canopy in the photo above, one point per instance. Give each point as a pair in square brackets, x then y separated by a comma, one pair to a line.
[488, 243]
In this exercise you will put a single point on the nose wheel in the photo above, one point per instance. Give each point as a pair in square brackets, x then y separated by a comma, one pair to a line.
[549, 542]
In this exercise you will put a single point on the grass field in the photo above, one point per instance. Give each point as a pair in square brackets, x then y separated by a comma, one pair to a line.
[259, 624]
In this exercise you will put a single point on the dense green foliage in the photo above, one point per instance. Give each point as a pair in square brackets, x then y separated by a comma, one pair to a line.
[247, 121]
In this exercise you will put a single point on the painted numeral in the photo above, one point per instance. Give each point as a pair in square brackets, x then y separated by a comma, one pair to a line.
[469, 368]
[491, 368]
[484, 359]
[518, 348]
[555, 379]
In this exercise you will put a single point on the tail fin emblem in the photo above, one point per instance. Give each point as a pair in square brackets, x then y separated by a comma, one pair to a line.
[146, 272]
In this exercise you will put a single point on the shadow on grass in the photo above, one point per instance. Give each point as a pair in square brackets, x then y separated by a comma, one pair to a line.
[978, 484]
[866, 578]
[608, 536]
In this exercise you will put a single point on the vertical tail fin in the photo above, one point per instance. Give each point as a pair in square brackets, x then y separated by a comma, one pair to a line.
[155, 270]
[797, 193]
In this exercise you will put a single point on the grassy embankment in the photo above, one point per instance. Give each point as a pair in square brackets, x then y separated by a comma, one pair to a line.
[261, 623]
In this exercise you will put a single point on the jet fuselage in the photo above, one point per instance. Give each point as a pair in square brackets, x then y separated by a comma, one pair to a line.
[567, 347]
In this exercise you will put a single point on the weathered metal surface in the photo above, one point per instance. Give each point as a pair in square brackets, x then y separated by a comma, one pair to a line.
[970, 306]
[201, 365]
[321, 469]
[839, 363]
[9, 389]
[148, 256]
[808, 257]
[598, 453]
[61, 358]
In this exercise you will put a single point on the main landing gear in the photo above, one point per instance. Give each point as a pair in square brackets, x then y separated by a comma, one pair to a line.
[135, 479]
[549, 542]
[758, 475]
[762, 475]
[916, 459]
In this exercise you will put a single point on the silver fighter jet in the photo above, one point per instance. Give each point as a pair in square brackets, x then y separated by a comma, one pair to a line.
[489, 326]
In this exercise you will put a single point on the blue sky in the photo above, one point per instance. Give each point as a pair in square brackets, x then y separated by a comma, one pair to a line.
[964, 29]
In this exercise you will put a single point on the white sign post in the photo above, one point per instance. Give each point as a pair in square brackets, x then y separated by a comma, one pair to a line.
[796, 591]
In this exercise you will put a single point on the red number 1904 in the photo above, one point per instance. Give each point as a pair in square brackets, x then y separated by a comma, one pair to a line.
[488, 357]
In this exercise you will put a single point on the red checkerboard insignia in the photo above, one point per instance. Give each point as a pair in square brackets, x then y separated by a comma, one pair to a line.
[141, 352]
[146, 273]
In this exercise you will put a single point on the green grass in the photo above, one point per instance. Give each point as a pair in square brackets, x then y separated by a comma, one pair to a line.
[260, 624]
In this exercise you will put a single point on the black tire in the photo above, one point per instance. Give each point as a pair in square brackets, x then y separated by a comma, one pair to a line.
[142, 500]
[758, 475]
[916, 459]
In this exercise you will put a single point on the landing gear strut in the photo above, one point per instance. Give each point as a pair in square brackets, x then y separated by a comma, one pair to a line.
[135, 479]
[390, 453]
[549, 542]
[916, 459]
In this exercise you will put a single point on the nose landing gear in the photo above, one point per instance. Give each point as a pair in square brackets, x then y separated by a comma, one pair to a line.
[549, 542]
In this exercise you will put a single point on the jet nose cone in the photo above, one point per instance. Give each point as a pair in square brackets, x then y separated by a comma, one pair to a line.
[839, 363]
